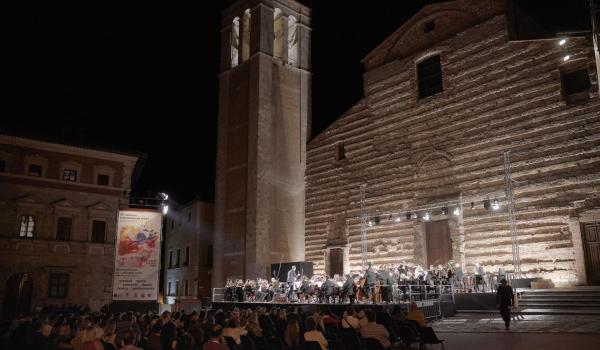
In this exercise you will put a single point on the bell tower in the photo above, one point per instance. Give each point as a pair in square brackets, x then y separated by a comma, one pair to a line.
[263, 127]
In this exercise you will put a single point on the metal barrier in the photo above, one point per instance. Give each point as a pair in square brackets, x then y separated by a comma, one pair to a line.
[404, 293]
[218, 294]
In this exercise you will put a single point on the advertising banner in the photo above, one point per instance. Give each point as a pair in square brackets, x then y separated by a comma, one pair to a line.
[137, 255]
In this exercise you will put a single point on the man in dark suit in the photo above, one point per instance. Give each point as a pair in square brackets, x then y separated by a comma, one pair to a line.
[371, 279]
[386, 285]
[505, 300]
[348, 289]
[327, 288]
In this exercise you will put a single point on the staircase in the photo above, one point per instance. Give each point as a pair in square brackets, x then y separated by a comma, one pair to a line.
[580, 301]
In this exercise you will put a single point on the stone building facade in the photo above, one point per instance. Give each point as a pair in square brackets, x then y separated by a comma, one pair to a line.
[188, 254]
[444, 97]
[263, 123]
[58, 215]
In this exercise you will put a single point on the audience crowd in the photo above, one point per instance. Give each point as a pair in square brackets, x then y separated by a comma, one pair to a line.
[285, 328]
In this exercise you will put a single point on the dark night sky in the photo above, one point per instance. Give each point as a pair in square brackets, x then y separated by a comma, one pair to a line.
[143, 75]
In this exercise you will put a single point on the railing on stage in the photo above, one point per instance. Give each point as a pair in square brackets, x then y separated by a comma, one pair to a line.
[415, 292]
[218, 294]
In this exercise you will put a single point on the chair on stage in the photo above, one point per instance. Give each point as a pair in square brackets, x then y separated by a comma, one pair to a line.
[428, 337]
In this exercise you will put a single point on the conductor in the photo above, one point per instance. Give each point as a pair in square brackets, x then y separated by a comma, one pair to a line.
[292, 276]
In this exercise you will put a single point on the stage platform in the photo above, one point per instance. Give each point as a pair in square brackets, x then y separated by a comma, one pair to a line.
[446, 308]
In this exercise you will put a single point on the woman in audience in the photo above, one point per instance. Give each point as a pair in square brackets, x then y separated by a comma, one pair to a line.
[292, 334]
[416, 314]
[312, 334]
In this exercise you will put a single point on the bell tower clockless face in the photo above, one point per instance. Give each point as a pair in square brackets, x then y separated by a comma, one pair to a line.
[263, 125]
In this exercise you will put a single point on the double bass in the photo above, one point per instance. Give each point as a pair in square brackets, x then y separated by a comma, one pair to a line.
[360, 293]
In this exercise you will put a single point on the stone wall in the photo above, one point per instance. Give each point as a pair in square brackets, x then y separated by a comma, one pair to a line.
[499, 95]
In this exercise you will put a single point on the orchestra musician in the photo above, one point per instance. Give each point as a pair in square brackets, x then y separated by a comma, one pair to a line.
[292, 277]
[371, 279]
[386, 285]
[349, 289]
[328, 288]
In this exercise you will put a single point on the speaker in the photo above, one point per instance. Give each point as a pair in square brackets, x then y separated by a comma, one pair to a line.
[486, 204]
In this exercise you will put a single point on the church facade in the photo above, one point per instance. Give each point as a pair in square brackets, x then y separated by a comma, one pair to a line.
[458, 116]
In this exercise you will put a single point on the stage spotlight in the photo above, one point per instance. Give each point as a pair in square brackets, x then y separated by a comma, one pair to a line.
[426, 216]
[163, 196]
[495, 205]
[566, 58]
[414, 215]
[376, 220]
[444, 210]
[456, 211]
[562, 42]
[472, 205]
[165, 209]
[370, 223]
[408, 216]
[486, 204]
[397, 219]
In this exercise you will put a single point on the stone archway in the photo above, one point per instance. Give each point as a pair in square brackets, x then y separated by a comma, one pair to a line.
[18, 293]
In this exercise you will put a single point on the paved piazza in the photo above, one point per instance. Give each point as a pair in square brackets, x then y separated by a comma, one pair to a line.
[477, 331]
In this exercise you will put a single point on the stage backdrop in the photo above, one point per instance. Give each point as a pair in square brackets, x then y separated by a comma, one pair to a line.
[137, 255]
[302, 267]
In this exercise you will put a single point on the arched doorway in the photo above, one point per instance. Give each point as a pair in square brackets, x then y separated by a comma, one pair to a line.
[17, 296]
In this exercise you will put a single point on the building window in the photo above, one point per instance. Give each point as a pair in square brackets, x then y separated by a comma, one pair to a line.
[575, 84]
[209, 256]
[98, 231]
[2, 165]
[178, 256]
[63, 229]
[169, 292]
[429, 26]
[27, 226]
[340, 151]
[171, 259]
[70, 175]
[34, 170]
[103, 180]
[429, 76]
[187, 256]
[185, 287]
[58, 285]
[177, 288]
[190, 216]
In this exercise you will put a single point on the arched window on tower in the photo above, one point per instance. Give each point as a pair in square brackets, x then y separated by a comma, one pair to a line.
[235, 41]
[278, 31]
[292, 41]
[246, 36]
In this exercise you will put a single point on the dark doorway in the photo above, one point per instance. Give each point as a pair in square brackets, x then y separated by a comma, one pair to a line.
[336, 261]
[17, 296]
[439, 247]
[591, 247]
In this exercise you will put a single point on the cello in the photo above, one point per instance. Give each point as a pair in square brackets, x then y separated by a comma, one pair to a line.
[360, 293]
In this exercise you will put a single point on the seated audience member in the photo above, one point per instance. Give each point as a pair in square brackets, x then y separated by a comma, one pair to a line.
[349, 320]
[397, 314]
[292, 333]
[234, 330]
[153, 340]
[215, 341]
[312, 334]
[416, 314]
[128, 341]
[362, 319]
[375, 331]
[330, 319]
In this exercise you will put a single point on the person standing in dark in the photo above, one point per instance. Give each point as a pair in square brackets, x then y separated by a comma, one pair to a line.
[504, 300]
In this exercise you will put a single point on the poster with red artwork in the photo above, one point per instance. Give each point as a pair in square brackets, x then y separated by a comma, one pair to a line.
[137, 255]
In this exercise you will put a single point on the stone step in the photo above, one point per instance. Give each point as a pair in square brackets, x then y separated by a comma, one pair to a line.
[537, 297]
[561, 299]
[559, 305]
